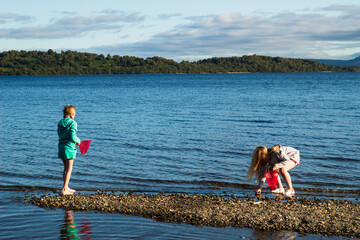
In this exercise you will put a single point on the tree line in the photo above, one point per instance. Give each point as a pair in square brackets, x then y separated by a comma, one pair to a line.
[76, 63]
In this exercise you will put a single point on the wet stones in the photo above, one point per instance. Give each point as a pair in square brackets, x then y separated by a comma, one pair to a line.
[315, 216]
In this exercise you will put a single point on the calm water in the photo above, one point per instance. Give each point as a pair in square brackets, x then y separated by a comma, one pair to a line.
[175, 134]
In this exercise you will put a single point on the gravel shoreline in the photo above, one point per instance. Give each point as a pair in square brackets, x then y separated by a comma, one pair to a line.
[303, 215]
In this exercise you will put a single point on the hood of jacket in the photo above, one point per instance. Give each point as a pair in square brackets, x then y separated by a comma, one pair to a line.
[66, 122]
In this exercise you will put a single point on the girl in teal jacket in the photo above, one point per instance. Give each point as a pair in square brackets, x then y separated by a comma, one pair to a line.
[67, 129]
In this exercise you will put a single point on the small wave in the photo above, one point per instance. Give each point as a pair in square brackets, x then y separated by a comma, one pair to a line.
[328, 190]
[234, 153]
[109, 139]
[248, 121]
[196, 140]
[27, 176]
[250, 186]
[263, 121]
[163, 148]
[130, 145]
[339, 159]
[25, 188]
[212, 184]
[181, 120]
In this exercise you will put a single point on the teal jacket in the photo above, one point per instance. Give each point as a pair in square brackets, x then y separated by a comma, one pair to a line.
[67, 129]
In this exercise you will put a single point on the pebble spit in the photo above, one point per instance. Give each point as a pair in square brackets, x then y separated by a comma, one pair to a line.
[303, 215]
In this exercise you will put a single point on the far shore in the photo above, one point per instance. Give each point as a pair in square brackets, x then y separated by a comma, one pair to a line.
[303, 215]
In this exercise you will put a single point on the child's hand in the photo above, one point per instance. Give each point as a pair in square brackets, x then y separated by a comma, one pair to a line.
[78, 144]
[275, 169]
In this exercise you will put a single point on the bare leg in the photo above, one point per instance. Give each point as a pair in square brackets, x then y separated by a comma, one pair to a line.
[68, 166]
[65, 162]
[279, 183]
[284, 173]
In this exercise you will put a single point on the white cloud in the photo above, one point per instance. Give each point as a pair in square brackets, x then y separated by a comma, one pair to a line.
[69, 27]
[168, 16]
[13, 17]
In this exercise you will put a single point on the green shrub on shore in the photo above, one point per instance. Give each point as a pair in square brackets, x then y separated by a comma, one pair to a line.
[76, 63]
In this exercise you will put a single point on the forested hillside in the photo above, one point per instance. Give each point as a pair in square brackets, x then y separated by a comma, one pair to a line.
[71, 62]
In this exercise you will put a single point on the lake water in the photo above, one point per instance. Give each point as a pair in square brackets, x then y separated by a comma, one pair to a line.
[175, 134]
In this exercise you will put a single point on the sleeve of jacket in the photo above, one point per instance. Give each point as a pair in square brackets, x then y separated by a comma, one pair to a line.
[73, 131]
[261, 182]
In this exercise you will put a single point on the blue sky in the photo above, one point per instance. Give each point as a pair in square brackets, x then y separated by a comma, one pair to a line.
[184, 30]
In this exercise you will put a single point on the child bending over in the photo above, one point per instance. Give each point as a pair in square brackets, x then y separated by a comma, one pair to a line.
[276, 158]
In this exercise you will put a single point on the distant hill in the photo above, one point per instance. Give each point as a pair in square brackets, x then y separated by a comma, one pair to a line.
[352, 63]
[74, 63]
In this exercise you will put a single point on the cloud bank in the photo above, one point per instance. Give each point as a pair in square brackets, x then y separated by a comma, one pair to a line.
[229, 34]
[307, 34]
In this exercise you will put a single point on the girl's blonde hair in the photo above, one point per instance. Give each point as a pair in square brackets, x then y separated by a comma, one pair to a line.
[273, 149]
[68, 110]
[257, 162]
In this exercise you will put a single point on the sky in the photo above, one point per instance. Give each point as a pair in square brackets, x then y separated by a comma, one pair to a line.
[184, 30]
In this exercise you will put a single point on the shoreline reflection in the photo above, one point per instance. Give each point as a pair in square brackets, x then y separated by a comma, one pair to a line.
[70, 230]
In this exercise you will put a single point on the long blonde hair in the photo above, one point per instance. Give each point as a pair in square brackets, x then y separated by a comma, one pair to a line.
[257, 162]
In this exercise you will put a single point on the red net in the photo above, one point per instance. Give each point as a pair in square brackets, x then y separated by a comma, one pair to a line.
[84, 146]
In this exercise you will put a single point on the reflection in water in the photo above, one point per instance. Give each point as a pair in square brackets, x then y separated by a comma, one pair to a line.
[69, 229]
[85, 229]
[269, 235]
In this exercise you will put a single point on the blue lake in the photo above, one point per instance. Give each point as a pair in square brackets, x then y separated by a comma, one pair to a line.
[190, 133]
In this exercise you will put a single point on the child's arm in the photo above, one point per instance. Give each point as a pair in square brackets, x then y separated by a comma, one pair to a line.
[73, 131]
[260, 185]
